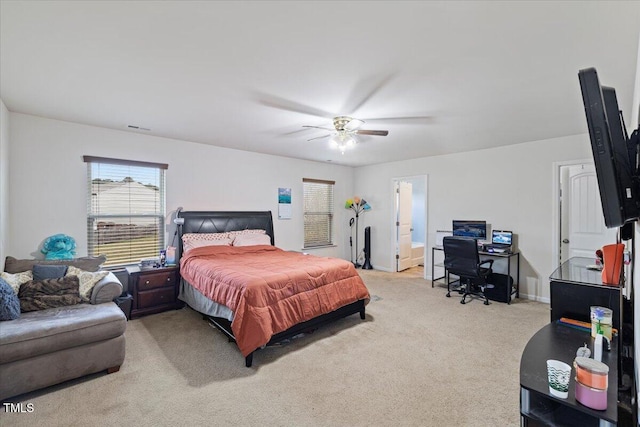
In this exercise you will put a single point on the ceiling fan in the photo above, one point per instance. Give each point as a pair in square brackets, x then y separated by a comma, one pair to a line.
[342, 137]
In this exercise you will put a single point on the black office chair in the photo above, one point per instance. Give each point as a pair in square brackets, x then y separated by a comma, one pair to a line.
[461, 259]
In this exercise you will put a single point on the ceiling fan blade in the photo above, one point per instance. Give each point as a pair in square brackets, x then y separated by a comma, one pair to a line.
[373, 132]
[320, 137]
[288, 105]
[364, 91]
[317, 127]
[415, 120]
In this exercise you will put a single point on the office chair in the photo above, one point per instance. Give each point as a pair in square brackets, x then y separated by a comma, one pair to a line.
[461, 259]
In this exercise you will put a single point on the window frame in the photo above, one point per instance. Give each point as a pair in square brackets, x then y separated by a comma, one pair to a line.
[159, 212]
[307, 243]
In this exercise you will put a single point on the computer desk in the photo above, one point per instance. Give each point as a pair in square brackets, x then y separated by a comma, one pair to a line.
[483, 255]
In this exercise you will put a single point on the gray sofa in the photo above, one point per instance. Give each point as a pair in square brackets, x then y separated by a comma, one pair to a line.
[47, 347]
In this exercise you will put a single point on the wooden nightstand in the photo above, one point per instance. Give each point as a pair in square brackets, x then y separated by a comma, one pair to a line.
[154, 290]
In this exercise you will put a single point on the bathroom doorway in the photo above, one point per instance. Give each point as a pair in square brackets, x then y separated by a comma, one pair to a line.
[410, 223]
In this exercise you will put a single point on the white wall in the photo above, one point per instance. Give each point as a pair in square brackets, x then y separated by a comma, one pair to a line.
[4, 182]
[48, 181]
[509, 187]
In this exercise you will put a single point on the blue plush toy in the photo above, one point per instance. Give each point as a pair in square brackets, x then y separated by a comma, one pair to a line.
[59, 246]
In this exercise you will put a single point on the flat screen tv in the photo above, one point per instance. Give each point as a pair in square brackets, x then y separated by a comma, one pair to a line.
[614, 158]
[467, 228]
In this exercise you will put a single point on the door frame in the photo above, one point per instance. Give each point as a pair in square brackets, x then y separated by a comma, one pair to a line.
[556, 207]
[394, 212]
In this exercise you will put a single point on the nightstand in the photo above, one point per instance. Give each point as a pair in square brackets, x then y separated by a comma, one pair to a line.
[154, 290]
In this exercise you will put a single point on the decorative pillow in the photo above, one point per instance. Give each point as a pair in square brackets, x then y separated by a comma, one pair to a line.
[13, 265]
[189, 239]
[87, 280]
[9, 302]
[15, 280]
[49, 293]
[251, 240]
[41, 272]
[190, 244]
[204, 236]
[248, 231]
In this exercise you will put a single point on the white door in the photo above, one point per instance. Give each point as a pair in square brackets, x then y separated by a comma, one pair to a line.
[582, 227]
[403, 226]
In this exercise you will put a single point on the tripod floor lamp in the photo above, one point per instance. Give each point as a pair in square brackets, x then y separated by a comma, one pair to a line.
[359, 206]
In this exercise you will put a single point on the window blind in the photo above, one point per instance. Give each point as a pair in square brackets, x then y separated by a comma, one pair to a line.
[125, 209]
[318, 212]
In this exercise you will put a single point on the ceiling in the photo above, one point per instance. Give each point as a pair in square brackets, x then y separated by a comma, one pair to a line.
[249, 75]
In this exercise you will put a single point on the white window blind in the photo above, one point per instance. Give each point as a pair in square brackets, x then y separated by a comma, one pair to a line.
[125, 209]
[318, 212]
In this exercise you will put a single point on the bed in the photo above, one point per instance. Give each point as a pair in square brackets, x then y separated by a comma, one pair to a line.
[259, 294]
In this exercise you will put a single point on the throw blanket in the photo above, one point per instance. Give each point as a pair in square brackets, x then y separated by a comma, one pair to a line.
[268, 289]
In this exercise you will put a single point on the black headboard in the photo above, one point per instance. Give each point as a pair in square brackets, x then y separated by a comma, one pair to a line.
[220, 222]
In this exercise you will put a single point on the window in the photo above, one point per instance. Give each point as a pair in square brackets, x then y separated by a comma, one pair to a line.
[318, 212]
[125, 209]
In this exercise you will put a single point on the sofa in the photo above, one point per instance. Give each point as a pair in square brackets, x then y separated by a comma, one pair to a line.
[49, 346]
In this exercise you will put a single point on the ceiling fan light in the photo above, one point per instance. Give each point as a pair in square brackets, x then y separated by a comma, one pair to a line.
[353, 124]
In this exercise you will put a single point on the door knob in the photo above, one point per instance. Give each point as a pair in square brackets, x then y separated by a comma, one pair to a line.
[565, 240]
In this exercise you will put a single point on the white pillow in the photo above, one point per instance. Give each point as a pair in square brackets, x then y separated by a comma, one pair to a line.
[191, 244]
[251, 239]
[87, 280]
[15, 280]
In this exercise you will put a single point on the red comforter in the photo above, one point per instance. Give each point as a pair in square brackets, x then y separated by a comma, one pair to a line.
[268, 289]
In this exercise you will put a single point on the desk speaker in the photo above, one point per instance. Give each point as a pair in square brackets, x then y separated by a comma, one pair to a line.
[367, 249]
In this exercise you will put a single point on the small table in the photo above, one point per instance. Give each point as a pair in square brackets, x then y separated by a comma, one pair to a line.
[154, 290]
[537, 405]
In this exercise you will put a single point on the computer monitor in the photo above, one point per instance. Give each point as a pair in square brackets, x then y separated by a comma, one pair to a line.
[467, 228]
[501, 237]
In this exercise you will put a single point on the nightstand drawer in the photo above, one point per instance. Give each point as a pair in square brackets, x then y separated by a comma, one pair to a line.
[156, 297]
[156, 280]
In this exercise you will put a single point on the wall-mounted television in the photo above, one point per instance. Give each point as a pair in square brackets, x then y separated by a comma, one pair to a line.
[614, 157]
[468, 228]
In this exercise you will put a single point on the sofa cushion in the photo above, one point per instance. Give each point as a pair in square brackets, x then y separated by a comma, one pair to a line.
[13, 265]
[46, 331]
[44, 271]
[87, 280]
[49, 293]
[9, 302]
[16, 280]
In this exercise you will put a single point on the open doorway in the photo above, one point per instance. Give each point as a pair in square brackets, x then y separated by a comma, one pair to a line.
[410, 223]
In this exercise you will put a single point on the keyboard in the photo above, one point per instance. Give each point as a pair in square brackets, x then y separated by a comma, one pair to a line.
[498, 249]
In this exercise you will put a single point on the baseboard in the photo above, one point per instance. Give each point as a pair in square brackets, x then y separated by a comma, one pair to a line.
[388, 270]
[545, 300]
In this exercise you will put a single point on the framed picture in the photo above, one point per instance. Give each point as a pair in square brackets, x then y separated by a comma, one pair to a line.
[284, 203]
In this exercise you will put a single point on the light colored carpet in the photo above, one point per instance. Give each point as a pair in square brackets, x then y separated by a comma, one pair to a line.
[419, 359]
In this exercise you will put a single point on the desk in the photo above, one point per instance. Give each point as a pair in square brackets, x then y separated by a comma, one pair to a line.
[483, 255]
[575, 288]
[537, 405]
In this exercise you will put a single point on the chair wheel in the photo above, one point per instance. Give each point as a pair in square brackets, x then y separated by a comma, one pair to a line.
[462, 302]
[486, 303]
[448, 295]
